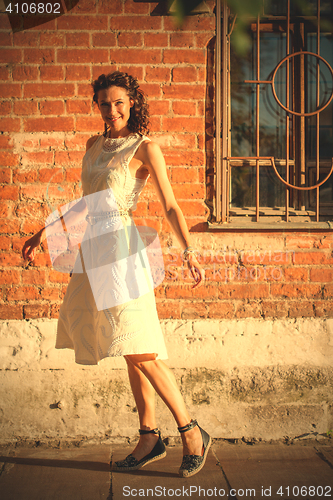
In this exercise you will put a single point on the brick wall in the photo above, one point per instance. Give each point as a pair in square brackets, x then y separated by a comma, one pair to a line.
[47, 117]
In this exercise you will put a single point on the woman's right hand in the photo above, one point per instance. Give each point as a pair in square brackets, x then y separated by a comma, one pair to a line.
[31, 245]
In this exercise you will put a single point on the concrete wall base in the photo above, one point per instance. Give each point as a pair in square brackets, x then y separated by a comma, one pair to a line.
[251, 378]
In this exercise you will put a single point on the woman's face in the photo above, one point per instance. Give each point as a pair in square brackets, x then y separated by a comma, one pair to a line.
[114, 105]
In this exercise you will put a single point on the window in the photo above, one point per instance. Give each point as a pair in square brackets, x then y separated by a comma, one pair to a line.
[274, 114]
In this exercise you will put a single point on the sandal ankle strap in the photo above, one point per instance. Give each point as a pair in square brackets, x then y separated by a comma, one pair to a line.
[152, 431]
[188, 427]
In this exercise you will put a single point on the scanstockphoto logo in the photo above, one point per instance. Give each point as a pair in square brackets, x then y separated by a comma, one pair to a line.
[25, 15]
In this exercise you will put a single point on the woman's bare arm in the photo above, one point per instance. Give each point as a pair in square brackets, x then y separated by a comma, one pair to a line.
[151, 155]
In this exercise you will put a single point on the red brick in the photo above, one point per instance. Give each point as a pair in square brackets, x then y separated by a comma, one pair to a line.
[183, 91]
[5, 39]
[204, 39]
[51, 142]
[22, 293]
[5, 243]
[189, 191]
[274, 309]
[328, 291]
[25, 108]
[315, 258]
[242, 291]
[4, 209]
[35, 192]
[323, 308]
[55, 308]
[8, 311]
[184, 74]
[182, 40]
[152, 90]
[85, 6]
[83, 23]
[49, 90]
[9, 226]
[324, 275]
[133, 56]
[220, 310]
[33, 311]
[49, 39]
[183, 124]
[63, 124]
[105, 7]
[57, 277]
[193, 310]
[186, 108]
[181, 56]
[39, 56]
[157, 74]
[250, 309]
[63, 192]
[24, 175]
[30, 226]
[130, 39]
[37, 158]
[11, 56]
[135, 23]
[158, 107]
[50, 293]
[51, 73]
[5, 175]
[24, 73]
[28, 209]
[73, 174]
[104, 39]
[78, 73]
[83, 56]
[89, 124]
[9, 192]
[10, 259]
[9, 277]
[300, 309]
[8, 160]
[167, 309]
[4, 73]
[77, 39]
[295, 291]
[184, 174]
[29, 23]
[25, 39]
[10, 89]
[77, 141]
[79, 107]
[191, 23]
[68, 157]
[135, 8]
[135, 71]
[51, 175]
[52, 108]
[155, 40]
[34, 277]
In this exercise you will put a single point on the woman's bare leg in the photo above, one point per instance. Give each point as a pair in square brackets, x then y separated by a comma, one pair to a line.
[144, 395]
[163, 381]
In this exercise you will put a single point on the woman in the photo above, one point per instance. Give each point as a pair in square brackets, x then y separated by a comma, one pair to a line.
[119, 162]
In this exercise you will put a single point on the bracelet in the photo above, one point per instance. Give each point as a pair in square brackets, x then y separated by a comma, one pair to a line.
[188, 250]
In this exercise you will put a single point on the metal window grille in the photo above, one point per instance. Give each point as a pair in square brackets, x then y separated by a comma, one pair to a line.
[292, 163]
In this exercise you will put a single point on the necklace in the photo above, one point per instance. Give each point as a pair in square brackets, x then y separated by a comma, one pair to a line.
[112, 145]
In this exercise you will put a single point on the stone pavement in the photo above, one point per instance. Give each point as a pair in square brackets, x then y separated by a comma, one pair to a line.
[234, 471]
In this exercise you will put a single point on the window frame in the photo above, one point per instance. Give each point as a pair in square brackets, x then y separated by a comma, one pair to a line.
[223, 217]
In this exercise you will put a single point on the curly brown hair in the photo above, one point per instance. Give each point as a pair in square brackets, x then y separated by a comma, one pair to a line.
[139, 115]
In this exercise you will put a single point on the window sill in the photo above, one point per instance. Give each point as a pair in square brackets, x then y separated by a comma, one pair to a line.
[270, 226]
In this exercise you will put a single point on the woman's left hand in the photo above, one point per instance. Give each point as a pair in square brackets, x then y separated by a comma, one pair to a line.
[196, 269]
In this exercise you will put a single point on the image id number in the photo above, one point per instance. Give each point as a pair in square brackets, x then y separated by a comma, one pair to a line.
[33, 8]
[305, 491]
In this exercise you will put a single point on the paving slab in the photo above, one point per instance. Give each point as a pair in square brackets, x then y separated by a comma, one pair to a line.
[276, 471]
[56, 474]
[161, 479]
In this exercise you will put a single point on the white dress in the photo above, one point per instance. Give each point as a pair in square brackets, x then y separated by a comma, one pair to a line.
[88, 322]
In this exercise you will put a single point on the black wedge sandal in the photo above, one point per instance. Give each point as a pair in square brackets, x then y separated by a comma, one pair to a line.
[131, 463]
[192, 464]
